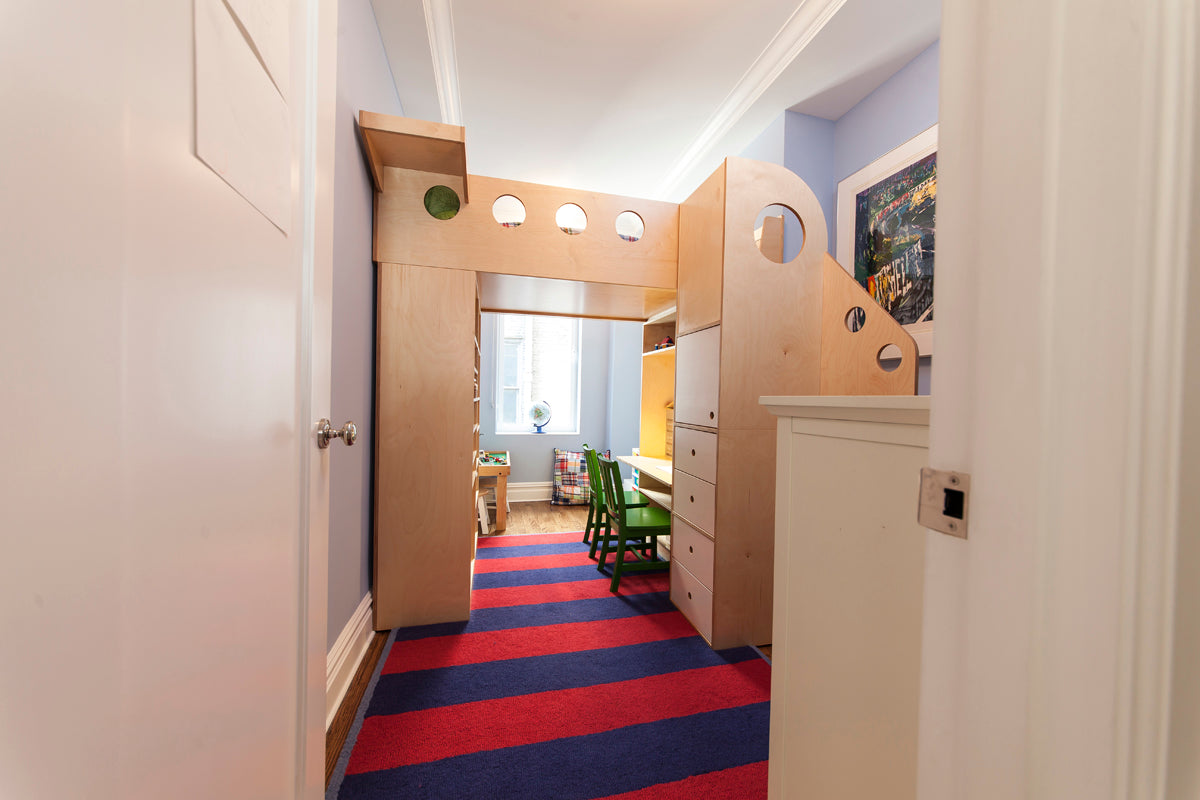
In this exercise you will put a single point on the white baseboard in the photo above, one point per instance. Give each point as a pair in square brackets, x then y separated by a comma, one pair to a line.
[344, 657]
[530, 492]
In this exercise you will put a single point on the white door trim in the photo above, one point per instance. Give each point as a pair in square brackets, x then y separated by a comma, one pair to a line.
[1152, 490]
[315, 253]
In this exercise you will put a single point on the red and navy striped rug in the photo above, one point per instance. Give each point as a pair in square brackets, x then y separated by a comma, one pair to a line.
[558, 689]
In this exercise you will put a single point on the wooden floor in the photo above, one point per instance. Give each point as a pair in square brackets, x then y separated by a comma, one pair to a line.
[541, 517]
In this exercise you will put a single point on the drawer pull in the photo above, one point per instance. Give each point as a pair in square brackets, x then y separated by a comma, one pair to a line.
[693, 451]
[691, 549]
[691, 497]
[712, 415]
[689, 595]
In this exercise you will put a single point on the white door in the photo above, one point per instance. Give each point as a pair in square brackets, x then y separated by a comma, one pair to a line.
[1059, 647]
[161, 342]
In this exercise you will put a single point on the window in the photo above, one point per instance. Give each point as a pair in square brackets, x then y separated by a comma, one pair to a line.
[537, 358]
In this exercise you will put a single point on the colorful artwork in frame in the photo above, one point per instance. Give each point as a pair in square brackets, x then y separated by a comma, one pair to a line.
[885, 235]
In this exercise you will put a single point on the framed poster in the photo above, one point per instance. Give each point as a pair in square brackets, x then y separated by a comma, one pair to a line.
[885, 232]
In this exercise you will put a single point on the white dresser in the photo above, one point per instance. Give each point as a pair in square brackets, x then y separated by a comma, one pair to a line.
[849, 578]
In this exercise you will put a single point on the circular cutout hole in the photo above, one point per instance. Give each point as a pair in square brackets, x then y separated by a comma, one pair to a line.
[441, 202]
[630, 226]
[693, 452]
[888, 358]
[689, 595]
[855, 319]
[779, 233]
[571, 219]
[509, 211]
[692, 498]
[691, 549]
[712, 415]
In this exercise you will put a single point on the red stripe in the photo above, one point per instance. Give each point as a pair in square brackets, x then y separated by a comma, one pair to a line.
[735, 783]
[416, 737]
[519, 539]
[563, 592]
[541, 640]
[483, 565]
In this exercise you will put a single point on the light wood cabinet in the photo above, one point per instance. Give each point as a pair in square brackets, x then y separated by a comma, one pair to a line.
[698, 378]
[426, 482]
[658, 385]
[748, 327]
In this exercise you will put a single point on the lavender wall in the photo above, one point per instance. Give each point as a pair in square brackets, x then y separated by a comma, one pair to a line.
[902, 107]
[807, 143]
[610, 400]
[364, 81]
[824, 152]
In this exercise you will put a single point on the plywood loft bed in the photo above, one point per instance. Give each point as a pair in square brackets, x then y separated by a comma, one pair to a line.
[746, 326]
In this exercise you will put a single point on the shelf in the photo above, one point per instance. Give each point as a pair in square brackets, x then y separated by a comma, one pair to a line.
[658, 469]
[413, 144]
[667, 315]
[659, 351]
[660, 498]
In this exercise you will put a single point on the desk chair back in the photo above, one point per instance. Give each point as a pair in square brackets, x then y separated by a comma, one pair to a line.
[637, 529]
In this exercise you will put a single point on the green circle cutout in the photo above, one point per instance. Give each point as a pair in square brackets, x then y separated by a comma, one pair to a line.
[441, 202]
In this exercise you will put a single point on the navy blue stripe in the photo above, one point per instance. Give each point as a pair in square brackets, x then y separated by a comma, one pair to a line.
[431, 688]
[532, 577]
[590, 610]
[531, 550]
[581, 767]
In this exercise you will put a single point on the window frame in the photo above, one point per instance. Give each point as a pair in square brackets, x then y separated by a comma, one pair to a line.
[524, 426]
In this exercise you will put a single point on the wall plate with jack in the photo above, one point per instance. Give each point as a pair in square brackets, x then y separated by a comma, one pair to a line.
[944, 500]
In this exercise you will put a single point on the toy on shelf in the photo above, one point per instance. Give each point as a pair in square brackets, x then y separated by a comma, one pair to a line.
[497, 459]
[667, 342]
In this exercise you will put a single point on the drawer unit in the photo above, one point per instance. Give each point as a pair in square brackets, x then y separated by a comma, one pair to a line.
[696, 453]
[692, 598]
[695, 500]
[698, 377]
[693, 550]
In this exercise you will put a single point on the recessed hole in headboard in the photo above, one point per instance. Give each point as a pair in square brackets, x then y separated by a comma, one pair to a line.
[441, 202]
[630, 226]
[889, 358]
[508, 210]
[571, 219]
[855, 319]
[779, 233]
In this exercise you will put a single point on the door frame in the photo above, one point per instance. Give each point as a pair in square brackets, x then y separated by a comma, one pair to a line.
[314, 254]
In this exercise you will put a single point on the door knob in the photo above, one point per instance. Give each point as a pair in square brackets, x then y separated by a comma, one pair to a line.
[326, 433]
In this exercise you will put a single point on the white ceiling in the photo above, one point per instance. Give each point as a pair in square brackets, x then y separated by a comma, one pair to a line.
[633, 97]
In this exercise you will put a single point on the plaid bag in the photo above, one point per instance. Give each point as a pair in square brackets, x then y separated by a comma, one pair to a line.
[571, 485]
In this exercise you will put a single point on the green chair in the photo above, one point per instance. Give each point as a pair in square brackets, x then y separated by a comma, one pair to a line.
[636, 530]
[598, 511]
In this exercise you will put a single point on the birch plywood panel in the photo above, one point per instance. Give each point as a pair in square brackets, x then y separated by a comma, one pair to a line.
[850, 358]
[701, 241]
[405, 233]
[412, 144]
[771, 315]
[424, 512]
[519, 294]
[745, 538]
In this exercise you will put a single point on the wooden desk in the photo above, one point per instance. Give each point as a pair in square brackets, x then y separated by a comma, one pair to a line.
[658, 470]
[500, 473]
[654, 481]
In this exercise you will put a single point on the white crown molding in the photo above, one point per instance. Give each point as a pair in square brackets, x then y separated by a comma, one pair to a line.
[800, 29]
[439, 23]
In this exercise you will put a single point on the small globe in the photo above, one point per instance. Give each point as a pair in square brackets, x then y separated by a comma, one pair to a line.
[539, 413]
